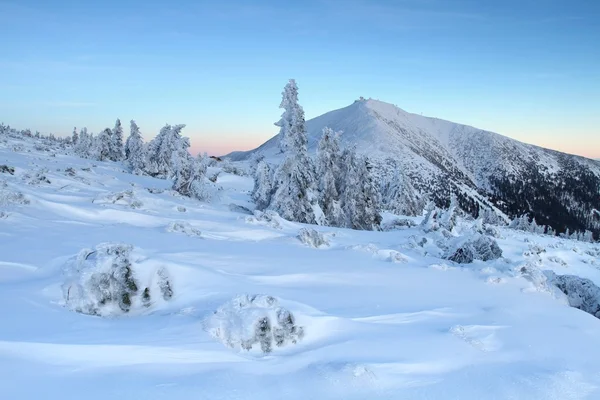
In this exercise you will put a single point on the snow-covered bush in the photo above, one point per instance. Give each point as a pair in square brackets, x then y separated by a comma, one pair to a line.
[38, 178]
[312, 238]
[481, 247]
[231, 168]
[189, 175]
[252, 321]
[164, 283]
[239, 209]
[268, 218]
[398, 223]
[100, 281]
[183, 227]
[103, 281]
[9, 197]
[125, 198]
[581, 293]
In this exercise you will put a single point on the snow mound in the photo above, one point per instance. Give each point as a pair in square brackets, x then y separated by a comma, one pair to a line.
[312, 238]
[125, 198]
[183, 227]
[102, 281]
[251, 321]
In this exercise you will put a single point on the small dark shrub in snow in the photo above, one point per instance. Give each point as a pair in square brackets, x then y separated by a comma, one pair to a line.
[312, 238]
[38, 178]
[482, 248]
[251, 321]
[5, 169]
[70, 171]
[582, 293]
[183, 227]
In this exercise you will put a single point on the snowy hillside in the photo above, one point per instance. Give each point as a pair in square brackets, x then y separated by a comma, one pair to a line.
[483, 168]
[354, 314]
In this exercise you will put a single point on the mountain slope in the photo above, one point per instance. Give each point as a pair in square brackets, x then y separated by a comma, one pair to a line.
[385, 316]
[481, 167]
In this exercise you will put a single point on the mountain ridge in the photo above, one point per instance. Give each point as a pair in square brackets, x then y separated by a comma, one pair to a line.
[442, 158]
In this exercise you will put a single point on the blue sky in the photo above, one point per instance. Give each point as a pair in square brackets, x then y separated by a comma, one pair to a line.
[529, 69]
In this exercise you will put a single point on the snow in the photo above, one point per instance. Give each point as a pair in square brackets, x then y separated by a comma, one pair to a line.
[382, 316]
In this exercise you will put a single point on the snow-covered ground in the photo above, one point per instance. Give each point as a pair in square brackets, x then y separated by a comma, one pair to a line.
[382, 314]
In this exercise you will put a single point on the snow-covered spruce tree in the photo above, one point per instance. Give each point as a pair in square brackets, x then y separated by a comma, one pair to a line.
[160, 149]
[135, 150]
[116, 142]
[398, 194]
[101, 145]
[83, 144]
[294, 198]
[328, 173]
[74, 137]
[360, 198]
[189, 175]
[369, 201]
[263, 185]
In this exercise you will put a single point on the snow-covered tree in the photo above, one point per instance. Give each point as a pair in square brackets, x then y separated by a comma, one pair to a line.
[161, 148]
[328, 173]
[294, 198]
[135, 150]
[360, 198]
[263, 185]
[292, 134]
[74, 137]
[116, 142]
[397, 192]
[102, 145]
[189, 176]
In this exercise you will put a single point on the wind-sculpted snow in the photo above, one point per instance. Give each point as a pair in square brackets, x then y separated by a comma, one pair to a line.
[373, 315]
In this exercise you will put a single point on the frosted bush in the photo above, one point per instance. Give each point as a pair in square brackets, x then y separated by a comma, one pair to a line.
[183, 227]
[125, 198]
[581, 293]
[268, 218]
[100, 281]
[253, 321]
[312, 238]
[103, 281]
[38, 179]
[482, 248]
[9, 197]
[398, 223]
